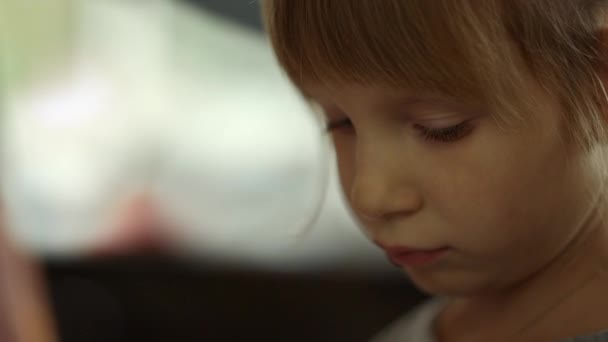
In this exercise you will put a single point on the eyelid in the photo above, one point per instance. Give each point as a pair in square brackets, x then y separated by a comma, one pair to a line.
[441, 121]
[332, 124]
[434, 118]
[446, 134]
[445, 126]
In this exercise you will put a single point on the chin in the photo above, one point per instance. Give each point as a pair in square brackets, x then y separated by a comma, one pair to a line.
[449, 284]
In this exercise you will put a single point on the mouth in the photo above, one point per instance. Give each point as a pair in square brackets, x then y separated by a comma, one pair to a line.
[414, 257]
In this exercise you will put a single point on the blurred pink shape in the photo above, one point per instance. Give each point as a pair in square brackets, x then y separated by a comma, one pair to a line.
[138, 228]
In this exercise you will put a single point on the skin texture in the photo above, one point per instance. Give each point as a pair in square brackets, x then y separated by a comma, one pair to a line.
[518, 207]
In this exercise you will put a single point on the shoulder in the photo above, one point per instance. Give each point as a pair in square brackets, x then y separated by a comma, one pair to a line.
[413, 326]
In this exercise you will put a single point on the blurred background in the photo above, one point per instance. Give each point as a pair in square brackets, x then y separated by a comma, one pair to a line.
[172, 182]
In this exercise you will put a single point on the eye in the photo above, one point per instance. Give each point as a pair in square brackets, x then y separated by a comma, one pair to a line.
[337, 124]
[446, 134]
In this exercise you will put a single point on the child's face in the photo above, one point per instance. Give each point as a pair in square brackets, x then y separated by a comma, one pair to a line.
[430, 174]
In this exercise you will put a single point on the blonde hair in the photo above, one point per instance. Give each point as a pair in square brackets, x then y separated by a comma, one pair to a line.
[482, 51]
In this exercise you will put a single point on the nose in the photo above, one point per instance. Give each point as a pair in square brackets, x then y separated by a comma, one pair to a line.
[383, 187]
[136, 228]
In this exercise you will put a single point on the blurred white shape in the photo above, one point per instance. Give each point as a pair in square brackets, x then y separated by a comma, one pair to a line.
[244, 173]
[246, 167]
[164, 98]
[252, 160]
[60, 173]
[70, 106]
[73, 141]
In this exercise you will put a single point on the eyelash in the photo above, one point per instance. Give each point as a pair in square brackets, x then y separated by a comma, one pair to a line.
[445, 135]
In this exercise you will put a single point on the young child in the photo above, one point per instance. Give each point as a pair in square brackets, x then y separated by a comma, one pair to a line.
[471, 143]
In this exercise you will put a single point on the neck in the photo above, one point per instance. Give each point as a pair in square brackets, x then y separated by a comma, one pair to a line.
[569, 281]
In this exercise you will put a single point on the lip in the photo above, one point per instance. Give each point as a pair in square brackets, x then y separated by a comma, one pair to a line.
[414, 257]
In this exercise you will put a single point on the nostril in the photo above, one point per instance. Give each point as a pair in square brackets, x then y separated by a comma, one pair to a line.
[382, 204]
[370, 218]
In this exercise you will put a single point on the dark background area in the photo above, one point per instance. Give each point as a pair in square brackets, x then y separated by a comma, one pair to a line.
[153, 298]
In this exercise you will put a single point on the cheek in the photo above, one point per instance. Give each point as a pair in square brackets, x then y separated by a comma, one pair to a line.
[506, 197]
[346, 173]
[345, 159]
